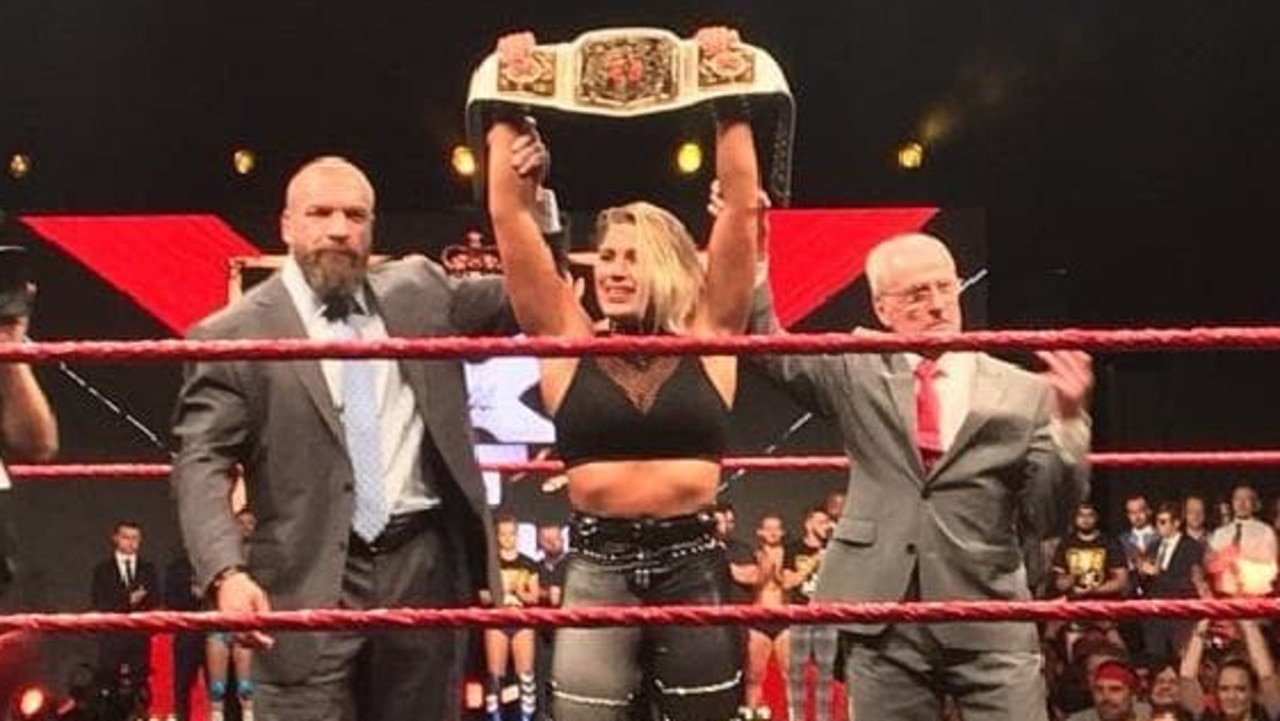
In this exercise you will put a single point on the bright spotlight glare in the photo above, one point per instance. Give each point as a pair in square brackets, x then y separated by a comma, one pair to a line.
[244, 161]
[463, 161]
[31, 702]
[689, 157]
[911, 156]
[19, 165]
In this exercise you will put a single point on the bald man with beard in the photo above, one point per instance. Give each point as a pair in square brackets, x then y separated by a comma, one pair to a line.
[361, 472]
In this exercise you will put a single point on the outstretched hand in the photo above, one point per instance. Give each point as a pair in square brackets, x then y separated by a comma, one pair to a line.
[1070, 373]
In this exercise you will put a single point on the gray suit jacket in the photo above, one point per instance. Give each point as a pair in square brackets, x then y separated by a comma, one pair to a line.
[960, 528]
[278, 419]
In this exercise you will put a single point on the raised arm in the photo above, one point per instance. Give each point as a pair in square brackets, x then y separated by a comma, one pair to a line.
[1264, 665]
[1190, 693]
[28, 429]
[731, 251]
[543, 301]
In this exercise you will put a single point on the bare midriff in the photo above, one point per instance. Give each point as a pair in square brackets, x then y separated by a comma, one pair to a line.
[644, 489]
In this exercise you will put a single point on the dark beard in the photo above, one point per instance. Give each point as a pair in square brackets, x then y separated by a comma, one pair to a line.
[333, 272]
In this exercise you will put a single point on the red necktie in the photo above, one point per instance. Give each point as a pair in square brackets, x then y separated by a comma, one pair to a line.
[928, 413]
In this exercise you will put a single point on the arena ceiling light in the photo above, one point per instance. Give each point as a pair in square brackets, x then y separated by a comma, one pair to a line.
[911, 155]
[243, 161]
[19, 166]
[463, 161]
[689, 157]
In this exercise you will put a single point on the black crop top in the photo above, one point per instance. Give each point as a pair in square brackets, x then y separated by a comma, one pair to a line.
[618, 409]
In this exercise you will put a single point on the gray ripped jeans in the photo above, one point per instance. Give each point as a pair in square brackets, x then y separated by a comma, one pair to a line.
[689, 673]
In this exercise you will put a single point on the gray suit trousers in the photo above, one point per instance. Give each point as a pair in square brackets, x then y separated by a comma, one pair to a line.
[395, 675]
[903, 673]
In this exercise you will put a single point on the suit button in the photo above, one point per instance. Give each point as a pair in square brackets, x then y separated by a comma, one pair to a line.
[348, 487]
[911, 549]
[342, 546]
[926, 493]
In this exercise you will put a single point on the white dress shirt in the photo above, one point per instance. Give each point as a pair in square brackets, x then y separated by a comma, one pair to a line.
[400, 426]
[123, 562]
[1257, 539]
[1253, 570]
[954, 385]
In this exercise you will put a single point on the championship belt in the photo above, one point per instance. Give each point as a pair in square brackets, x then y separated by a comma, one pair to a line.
[627, 72]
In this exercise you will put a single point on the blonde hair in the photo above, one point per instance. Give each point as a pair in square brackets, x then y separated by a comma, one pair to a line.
[667, 262]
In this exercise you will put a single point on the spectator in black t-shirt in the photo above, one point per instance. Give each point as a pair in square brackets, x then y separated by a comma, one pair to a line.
[1090, 565]
[551, 569]
[744, 574]
[513, 645]
[743, 571]
[551, 564]
[801, 563]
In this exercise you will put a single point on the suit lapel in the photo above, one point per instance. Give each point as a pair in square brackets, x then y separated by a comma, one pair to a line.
[414, 372]
[281, 320]
[986, 395]
[900, 383]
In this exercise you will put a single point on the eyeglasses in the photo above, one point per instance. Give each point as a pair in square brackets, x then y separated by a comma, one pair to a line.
[921, 293]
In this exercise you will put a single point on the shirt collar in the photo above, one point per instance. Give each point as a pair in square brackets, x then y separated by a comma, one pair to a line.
[309, 305]
[952, 364]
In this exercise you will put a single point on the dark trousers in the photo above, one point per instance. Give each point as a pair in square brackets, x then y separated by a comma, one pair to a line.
[399, 675]
[188, 659]
[8, 564]
[124, 653]
[542, 670]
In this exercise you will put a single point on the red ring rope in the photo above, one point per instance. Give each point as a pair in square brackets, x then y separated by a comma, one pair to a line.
[1263, 338]
[1260, 338]
[835, 613]
[1120, 460]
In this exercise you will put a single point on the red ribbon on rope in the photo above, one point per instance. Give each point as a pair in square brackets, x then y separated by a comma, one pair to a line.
[1228, 338]
[1122, 460]
[596, 616]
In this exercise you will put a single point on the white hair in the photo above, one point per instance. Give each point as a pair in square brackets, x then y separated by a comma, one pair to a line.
[880, 259]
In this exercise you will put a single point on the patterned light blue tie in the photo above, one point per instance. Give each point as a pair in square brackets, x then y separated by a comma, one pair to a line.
[364, 441]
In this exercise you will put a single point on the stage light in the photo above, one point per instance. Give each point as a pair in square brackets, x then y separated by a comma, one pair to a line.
[689, 157]
[463, 161]
[911, 156]
[31, 703]
[19, 166]
[244, 161]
